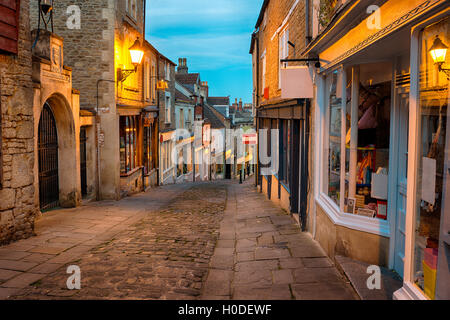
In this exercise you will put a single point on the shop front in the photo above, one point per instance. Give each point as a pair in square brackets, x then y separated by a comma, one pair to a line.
[150, 147]
[427, 264]
[280, 131]
[382, 156]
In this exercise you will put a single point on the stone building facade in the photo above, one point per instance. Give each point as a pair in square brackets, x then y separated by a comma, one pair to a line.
[17, 194]
[280, 33]
[97, 49]
[167, 123]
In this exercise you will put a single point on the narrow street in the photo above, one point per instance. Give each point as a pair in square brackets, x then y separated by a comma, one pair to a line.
[217, 240]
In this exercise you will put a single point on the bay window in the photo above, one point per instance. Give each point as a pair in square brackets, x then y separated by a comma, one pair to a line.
[334, 139]
[357, 139]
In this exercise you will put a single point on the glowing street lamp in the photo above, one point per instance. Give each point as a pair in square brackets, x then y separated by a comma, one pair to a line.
[136, 53]
[438, 52]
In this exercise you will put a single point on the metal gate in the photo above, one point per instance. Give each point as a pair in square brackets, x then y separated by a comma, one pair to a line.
[48, 160]
[83, 160]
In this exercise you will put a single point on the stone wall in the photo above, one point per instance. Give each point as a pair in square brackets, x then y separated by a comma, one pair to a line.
[17, 204]
[89, 50]
[277, 11]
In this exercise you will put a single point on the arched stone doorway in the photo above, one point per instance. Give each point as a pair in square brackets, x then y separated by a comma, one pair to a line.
[48, 160]
[57, 154]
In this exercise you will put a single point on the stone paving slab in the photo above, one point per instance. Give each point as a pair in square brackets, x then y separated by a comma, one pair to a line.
[356, 272]
[272, 258]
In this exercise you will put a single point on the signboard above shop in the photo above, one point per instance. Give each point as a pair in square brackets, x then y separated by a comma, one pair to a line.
[296, 83]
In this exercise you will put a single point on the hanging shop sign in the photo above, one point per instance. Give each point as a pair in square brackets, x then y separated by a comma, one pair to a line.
[296, 83]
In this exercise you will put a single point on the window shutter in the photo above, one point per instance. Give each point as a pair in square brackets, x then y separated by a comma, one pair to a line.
[9, 25]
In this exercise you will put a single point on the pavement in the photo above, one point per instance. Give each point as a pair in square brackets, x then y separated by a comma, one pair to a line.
[356, 272]
[217, 240]
[263, 255]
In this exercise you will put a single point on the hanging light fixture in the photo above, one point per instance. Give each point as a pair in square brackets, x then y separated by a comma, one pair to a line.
[46, 14]
[46, 6]
[136, 53]
[438, 52]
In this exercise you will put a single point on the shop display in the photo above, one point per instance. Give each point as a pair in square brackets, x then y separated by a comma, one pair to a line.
[371, 176]
[433, 147]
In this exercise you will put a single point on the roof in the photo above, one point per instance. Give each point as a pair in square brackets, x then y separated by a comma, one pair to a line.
[215, 121]
[181, 96]
[261, 14]
[188, 78]
[218, 101]
[221, 110]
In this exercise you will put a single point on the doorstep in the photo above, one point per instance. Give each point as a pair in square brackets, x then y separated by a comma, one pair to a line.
[356, 273]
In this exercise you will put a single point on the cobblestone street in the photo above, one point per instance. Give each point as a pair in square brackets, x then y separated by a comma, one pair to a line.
[216, 240]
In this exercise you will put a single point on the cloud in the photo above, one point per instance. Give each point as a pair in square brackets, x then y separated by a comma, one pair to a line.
[214, 35]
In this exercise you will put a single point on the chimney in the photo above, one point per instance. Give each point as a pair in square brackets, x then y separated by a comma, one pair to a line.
[240, 105]
[206, 87]
[182, 66]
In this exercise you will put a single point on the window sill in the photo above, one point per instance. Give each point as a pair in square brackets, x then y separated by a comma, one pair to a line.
[351, 221]
[409, 291]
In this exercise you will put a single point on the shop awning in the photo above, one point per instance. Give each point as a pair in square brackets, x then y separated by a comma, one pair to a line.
[296, 83]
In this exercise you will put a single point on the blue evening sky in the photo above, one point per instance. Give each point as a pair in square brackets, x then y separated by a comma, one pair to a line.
[214, 36]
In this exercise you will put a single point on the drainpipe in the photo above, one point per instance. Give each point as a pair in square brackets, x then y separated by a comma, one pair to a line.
[304, 170]
[257, 176]
[307, 21]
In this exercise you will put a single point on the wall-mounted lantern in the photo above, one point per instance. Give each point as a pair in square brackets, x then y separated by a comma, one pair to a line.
[136, 53]
[438, 52]
[46, 13]
[162, 85]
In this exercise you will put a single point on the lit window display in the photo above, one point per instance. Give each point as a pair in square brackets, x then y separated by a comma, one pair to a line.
[128, 144]
[334, 148]
[366, 141]
[433, 148]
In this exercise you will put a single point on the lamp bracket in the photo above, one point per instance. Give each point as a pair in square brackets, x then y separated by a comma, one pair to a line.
[123, 74]
[316, 60]
[445, 70]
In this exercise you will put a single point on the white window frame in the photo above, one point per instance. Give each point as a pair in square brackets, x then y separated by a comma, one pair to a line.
[409, 289]
[129, 8]
[147, 80]
[283, 47]
[168, 106]
[167, 71]
[334, 211]
[153, 80]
